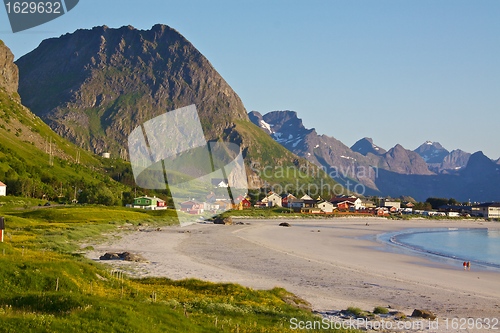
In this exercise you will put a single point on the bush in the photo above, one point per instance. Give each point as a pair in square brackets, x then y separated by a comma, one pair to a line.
[380, 310]
[355, 311]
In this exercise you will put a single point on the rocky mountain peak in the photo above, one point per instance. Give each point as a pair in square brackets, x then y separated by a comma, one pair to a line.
[365, 146]
[95, 86]
[403, 161]
[432, 152]
[9, 74]
[256, 118]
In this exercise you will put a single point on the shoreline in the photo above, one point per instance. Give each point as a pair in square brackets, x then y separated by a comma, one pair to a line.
[342, 265]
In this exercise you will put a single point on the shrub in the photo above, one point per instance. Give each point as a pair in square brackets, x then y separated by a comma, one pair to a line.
[355, 311]
[380, 310]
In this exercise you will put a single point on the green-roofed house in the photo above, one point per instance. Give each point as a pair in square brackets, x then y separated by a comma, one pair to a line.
[152, 203]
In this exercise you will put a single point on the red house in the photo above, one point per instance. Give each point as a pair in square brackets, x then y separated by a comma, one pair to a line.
[286, 198]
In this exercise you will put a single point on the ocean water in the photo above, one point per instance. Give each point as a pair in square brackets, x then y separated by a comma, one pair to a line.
[479, 246]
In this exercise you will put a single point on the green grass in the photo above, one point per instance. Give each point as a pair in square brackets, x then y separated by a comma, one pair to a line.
[25, 164]
[47, 286]
[355, 311]
[380, 310]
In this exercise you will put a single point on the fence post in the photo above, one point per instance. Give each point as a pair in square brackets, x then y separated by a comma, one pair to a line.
[2, 228]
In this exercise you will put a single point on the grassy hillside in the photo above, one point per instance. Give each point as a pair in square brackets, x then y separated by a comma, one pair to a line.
[49, 287]
[36, 162]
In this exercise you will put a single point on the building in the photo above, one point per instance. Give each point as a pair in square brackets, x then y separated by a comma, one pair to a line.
[326, 207]
[243, 204]
[192, 207]
[272, 200]
[381, 211]
[347, 202]
[390, 203]
[217, 182]
[152, 203]
[286, 198]
[222, 205]
[304, 205]
[3, 189]
[490, 210]
[461, 210]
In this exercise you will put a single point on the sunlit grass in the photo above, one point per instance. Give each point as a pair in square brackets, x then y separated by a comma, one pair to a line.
[48, 286]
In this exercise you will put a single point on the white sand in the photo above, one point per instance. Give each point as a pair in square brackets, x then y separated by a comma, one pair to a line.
[340, 266]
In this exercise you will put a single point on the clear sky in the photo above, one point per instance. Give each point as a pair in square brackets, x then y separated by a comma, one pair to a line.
[397, 71]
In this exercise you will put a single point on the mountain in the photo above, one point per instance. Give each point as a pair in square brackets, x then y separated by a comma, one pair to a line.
[498, 161]
[432, 152]
[404, 161]
[36, 162]
[440, 160]
[328, 153]
[351, 168]
[95, 86]
[365, 146]
[9, 74]
[454, 161]
[393, 173]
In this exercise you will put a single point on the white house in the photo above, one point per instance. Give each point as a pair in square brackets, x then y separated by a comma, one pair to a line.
[326, 207]
[490, 210]
[3, 189]
[272, 200]
[390, 203]
[217, 182]
[306, 197]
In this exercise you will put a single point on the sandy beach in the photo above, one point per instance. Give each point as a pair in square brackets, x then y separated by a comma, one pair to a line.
[332, 263]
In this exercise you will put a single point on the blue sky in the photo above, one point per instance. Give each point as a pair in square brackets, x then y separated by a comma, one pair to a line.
[397, 71]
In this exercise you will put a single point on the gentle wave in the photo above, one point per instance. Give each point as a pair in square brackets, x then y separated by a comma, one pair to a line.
[412, 239]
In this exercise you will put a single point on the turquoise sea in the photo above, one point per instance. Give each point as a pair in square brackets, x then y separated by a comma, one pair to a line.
[452, 245]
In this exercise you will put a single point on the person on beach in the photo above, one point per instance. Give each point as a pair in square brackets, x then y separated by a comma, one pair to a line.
[468, 265]
[465, 265]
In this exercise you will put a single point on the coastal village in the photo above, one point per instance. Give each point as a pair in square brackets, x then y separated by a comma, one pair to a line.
[308, 205]
[319, 206]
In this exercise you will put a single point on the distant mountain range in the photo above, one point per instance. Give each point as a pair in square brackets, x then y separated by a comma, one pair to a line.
[429, 170]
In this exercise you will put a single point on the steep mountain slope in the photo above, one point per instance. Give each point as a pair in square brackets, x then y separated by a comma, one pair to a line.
[9, 74]
[35, 161]
[403, 161]
[95, 86]
[454, 161]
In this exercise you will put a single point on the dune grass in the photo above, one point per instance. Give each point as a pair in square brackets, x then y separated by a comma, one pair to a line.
[48, 286]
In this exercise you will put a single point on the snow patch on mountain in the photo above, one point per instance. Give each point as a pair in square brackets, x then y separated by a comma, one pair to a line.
[265, 125]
